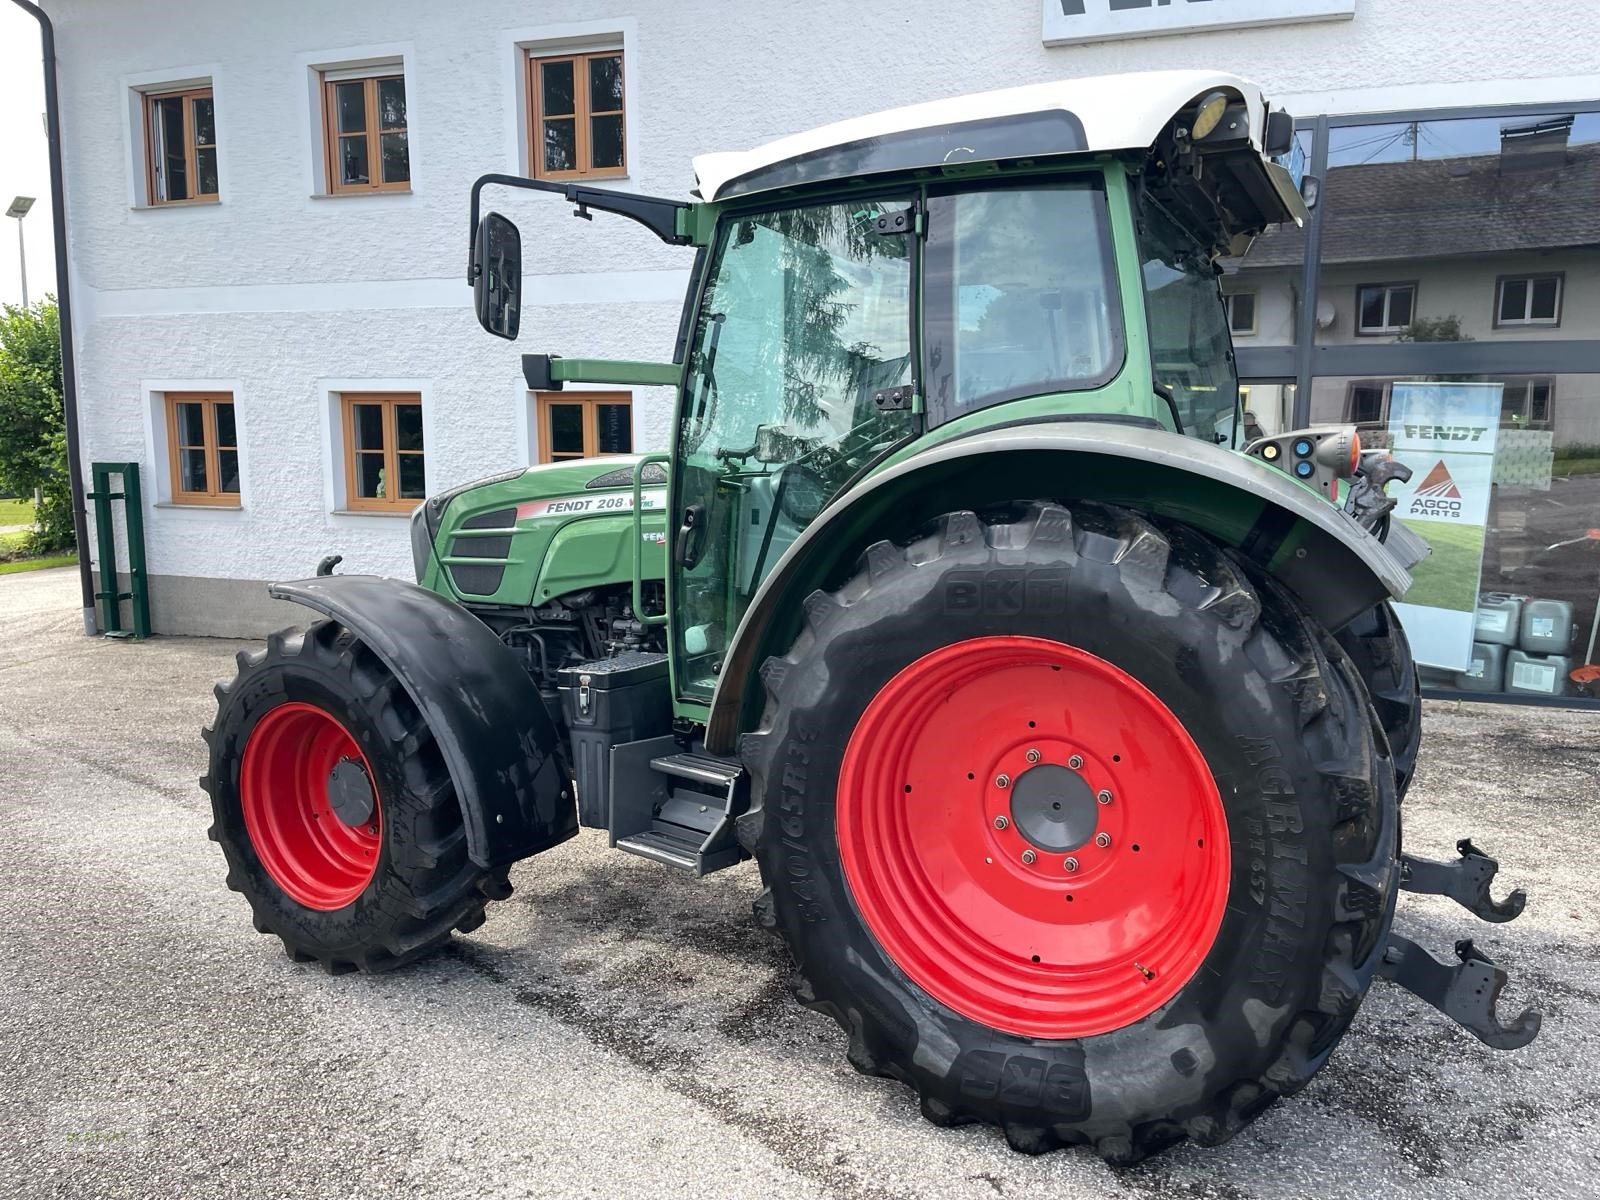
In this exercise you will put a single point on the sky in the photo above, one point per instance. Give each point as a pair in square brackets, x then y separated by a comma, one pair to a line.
[24, 157]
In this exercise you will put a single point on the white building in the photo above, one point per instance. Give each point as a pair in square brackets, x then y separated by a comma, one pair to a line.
[268, 209]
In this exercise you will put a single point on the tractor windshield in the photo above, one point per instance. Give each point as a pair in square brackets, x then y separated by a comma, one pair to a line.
[800, 354]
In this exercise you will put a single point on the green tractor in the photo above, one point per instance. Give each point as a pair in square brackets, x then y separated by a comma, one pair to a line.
[1068, 730]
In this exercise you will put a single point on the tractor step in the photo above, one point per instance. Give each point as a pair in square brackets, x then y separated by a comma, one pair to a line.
[676, 807]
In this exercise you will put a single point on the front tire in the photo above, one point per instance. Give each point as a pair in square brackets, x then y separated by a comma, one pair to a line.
[335, 809]
[1217, 944]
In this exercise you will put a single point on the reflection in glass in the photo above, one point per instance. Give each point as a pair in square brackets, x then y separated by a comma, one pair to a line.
[556, 88]
[605, 84]
[350, 103]
[614, 429]
[191, 424]
[396, 157]
[561, 145]
[226, 432]
[392, 103]
[368, 422]
[192, 470]
[566, 430]
[228, 470]
[412, 486]
[605, 141]
[408, 426]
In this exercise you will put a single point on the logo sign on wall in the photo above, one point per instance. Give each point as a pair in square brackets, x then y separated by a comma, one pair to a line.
[1446, 433]
[1069, 21]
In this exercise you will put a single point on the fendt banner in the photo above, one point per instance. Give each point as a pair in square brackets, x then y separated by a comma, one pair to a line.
[1446, 434]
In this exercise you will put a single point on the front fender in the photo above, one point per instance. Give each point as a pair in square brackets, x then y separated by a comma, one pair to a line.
[1334, 566]
[491, 726]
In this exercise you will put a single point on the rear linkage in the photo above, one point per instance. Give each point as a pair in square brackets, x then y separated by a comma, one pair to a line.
[1467, 991]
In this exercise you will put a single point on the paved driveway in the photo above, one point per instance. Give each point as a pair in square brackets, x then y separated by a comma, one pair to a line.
[617, 1031]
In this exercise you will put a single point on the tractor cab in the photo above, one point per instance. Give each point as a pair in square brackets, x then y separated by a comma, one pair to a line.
[871, 289]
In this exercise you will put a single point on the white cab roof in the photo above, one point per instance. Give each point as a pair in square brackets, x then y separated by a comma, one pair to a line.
[1118, 112]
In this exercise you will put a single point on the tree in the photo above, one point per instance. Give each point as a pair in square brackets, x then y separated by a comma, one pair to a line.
[33, 435]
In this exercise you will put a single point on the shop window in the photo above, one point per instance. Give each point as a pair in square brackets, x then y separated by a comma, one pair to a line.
[577, 107]
[203, 448]
[1527, 403]
[1241, 313]
[1384, 307]
[180, 146]
[365, 133]
[584, 426]
[1528, 300]
[1368, 403]
[384, 456]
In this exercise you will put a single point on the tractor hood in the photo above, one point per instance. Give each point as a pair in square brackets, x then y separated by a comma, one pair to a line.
[1091, 115]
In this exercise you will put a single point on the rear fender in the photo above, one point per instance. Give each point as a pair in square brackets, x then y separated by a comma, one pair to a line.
[482, 706]
[1334, 566]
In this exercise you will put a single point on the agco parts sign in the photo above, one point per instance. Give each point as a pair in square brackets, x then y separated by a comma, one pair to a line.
[1446, 434]
[1069, 21]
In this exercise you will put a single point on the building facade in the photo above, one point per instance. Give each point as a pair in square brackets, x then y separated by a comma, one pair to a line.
[268, 228]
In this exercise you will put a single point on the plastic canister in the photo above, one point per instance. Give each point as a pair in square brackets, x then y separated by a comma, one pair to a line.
[1487, 671]
[1546, 627]
[1498, 619]
[1536, 674]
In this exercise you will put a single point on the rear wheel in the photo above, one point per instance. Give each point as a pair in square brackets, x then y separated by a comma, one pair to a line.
[335, 809]
[1378, 647]
[1075, 828]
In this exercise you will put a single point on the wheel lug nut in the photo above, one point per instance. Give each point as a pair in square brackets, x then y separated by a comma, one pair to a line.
[1102, 840]
[1103, 796]
[1071, 864]
[1032, 756]
[1001, 822]
[1001, 781]
[1029, 857]
[1075, 762]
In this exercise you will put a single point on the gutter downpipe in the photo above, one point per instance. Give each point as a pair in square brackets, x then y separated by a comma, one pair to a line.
[69, 374]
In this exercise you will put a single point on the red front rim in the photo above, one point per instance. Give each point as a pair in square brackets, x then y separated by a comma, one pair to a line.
[963, 796]
[316, 857]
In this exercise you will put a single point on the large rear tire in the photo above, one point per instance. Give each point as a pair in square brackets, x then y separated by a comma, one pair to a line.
[334, 808]
[1378, 647]
[1171, 979]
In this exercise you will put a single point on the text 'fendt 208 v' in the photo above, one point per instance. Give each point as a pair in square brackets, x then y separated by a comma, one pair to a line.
[1068, 731]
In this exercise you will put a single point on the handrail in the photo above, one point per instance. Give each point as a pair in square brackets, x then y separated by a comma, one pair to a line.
[638, 539]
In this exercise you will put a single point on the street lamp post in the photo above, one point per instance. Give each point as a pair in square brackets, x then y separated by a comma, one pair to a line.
[19, 209]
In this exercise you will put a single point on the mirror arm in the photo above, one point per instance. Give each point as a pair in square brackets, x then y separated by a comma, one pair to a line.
[659, 216]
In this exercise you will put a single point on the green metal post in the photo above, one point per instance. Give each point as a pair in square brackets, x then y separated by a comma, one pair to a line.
[133, 518]
[106, 593]
[105, 538]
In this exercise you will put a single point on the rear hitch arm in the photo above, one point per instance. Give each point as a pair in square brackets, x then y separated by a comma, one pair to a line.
[1466, 992]
[1466, 881]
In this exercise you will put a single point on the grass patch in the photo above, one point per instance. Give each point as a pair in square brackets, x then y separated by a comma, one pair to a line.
[1447, 578]
[19, 565]
[16, 512]
[12, 543]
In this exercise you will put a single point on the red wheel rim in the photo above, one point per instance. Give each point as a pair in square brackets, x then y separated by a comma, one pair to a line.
[311, 853]
[957, 857]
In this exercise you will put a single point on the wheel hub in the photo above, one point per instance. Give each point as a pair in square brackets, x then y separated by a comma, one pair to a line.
[350, 792]
[1054, 808]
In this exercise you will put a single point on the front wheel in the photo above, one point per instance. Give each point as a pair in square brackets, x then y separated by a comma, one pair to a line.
[335, 809]
[1075, 827]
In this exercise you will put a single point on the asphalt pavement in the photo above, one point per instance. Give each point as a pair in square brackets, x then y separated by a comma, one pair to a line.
[618, 1030]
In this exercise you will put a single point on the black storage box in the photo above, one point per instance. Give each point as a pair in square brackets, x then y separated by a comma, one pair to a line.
[607, 703]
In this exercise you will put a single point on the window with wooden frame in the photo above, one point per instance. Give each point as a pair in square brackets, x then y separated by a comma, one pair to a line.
[384, 458]
[203, 448]
[180, 146]
[579, 425]
[364, 128]
[576, 127]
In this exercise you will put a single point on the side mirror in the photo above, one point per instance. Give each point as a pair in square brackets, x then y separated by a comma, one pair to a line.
[497, 281]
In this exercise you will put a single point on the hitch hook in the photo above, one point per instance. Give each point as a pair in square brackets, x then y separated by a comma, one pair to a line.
[1466, 881]
[1466, 993]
